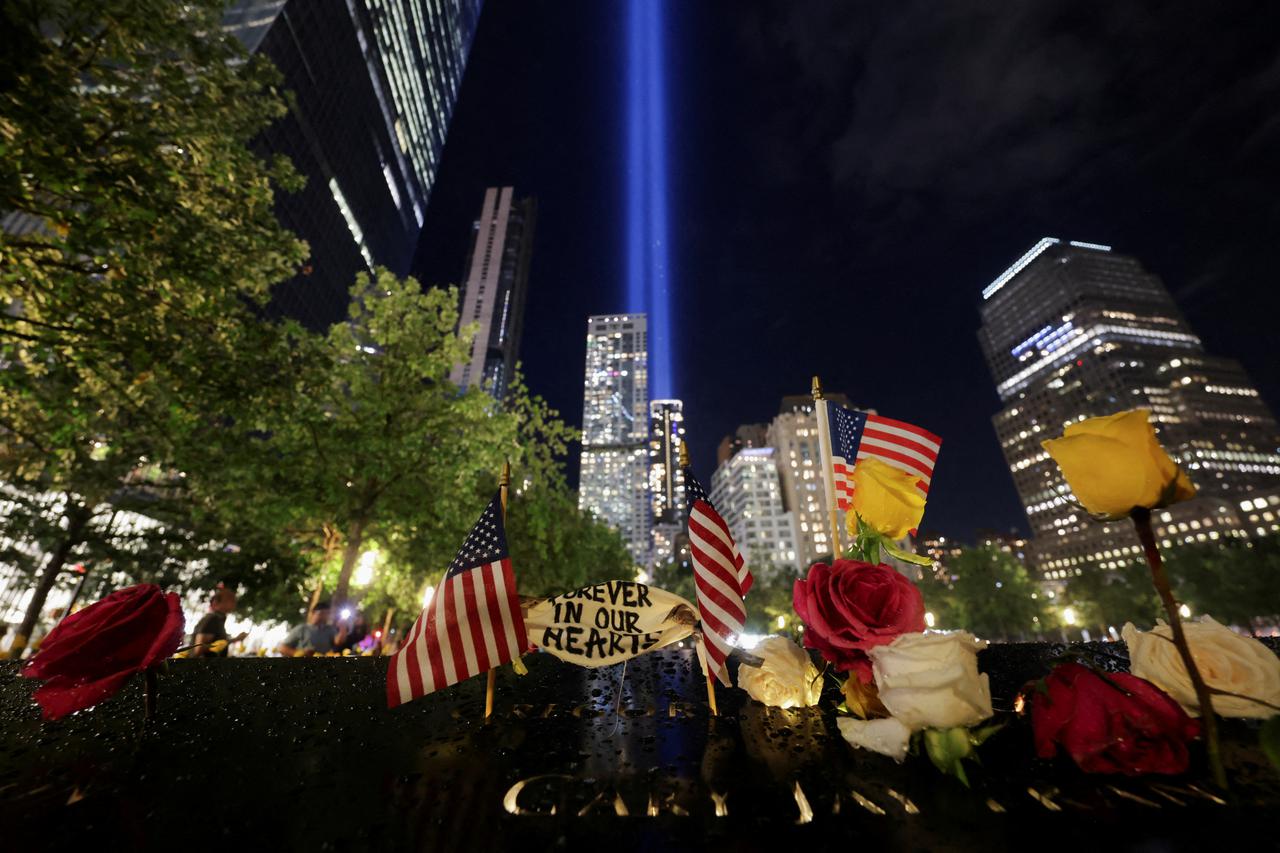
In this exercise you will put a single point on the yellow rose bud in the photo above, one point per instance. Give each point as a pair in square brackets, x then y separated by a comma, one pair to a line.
[1114, 464]
[885, 498]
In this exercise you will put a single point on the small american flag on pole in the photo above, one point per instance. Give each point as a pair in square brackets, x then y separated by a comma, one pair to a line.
[720, 577]
[857, 435]
[472, 624]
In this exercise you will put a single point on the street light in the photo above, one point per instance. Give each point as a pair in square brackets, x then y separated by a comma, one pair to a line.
[928, 618]
[1184, 611]
[1069, 615]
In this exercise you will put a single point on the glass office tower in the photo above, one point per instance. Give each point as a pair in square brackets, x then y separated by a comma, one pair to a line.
[1074, 330]
[374, 83]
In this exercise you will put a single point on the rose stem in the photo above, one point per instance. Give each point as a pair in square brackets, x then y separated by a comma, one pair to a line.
[149, 693]
[1142, 521]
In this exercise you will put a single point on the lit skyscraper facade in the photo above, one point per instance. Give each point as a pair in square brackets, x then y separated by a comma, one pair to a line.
[747, 492]
[666, 478]
[374, 83]
[793, 435]
[497, 279]
[1074, 330]
[613, 483]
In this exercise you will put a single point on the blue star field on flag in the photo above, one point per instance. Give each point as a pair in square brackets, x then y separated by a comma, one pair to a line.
[486, 543]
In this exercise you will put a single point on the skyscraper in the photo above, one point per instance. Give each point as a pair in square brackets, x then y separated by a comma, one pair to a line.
[374, 84]
[666, 479]
[613, 483]
[747, 492]
[1074, 330]
[793, 435]
[493, 296]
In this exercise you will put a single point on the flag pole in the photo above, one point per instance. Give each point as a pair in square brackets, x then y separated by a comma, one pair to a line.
[828, 472]
[711, 684]
[504, 484]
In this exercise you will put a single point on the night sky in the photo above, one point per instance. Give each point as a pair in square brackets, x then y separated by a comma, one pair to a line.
[847, 177]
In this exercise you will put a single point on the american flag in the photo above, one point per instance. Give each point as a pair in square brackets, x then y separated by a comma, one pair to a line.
[720, 577]
[472, 624]
[857, 435]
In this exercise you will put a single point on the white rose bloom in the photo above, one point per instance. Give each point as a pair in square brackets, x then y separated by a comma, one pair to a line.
[932, 680]
[786, 679]
[887, 737]
[1226, 660]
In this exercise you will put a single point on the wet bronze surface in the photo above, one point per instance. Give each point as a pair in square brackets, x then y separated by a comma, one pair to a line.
[253, 754]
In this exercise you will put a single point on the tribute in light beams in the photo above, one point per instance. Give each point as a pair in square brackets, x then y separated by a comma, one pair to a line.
[648, 281]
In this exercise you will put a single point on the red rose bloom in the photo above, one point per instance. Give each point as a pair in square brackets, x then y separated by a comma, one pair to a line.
[91, 653]
[849, 607]
[1117, 724]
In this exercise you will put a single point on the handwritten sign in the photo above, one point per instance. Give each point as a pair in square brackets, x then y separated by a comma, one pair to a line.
[609, 622]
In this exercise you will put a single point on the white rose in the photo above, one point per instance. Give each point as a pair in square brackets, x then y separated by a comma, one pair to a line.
[887, 737]
[786, 679]
[1226, 660]
[932, 680]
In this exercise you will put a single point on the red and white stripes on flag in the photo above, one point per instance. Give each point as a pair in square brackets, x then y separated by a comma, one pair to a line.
[855, 435]
[721, 580]
[471, 625]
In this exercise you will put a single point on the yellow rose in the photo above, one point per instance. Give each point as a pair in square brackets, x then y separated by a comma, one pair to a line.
[886, 498]
[1114, 464]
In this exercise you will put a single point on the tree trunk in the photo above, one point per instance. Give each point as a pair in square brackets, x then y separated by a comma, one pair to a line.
[350, 554]
[77, 519]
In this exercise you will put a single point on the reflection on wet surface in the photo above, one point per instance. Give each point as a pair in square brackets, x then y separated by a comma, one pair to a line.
[305, 753]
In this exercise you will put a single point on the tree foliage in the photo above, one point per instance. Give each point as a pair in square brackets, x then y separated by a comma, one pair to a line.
[1237, 582]
[1109, 598]
[988, 592]
[138, 237]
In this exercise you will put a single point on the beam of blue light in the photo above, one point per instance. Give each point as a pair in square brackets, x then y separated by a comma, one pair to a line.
[635, 158]
[648, 270]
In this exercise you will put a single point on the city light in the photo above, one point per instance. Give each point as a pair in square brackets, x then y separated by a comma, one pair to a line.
[1069, 615]
[364, 569]
[782, 622]
[1184, 611]
[427, 595]
[929, 618]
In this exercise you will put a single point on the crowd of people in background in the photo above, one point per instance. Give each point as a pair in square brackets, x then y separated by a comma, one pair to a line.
[319, 634]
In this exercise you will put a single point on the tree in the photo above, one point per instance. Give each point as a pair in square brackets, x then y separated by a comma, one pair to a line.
[1107, 599]
[373, 442]
[139, 238]
[1236, 582]
[988, 592]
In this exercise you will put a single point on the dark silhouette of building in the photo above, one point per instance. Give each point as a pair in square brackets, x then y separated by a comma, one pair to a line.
[494, 291]
[373, 84]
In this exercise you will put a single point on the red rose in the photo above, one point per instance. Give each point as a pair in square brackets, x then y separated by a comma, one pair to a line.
[91, 653]
[849, 607]
[1117, 724]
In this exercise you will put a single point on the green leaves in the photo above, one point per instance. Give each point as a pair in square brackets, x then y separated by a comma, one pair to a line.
[986, 591]
[949, 748]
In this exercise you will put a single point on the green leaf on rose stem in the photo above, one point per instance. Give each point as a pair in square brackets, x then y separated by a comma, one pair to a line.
[947, 750]
[1269, 740]
[868, 542]
[979, 736]
[906, 557]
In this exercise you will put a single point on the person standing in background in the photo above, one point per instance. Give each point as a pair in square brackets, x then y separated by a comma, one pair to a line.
[213, 626]
[315, 637]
